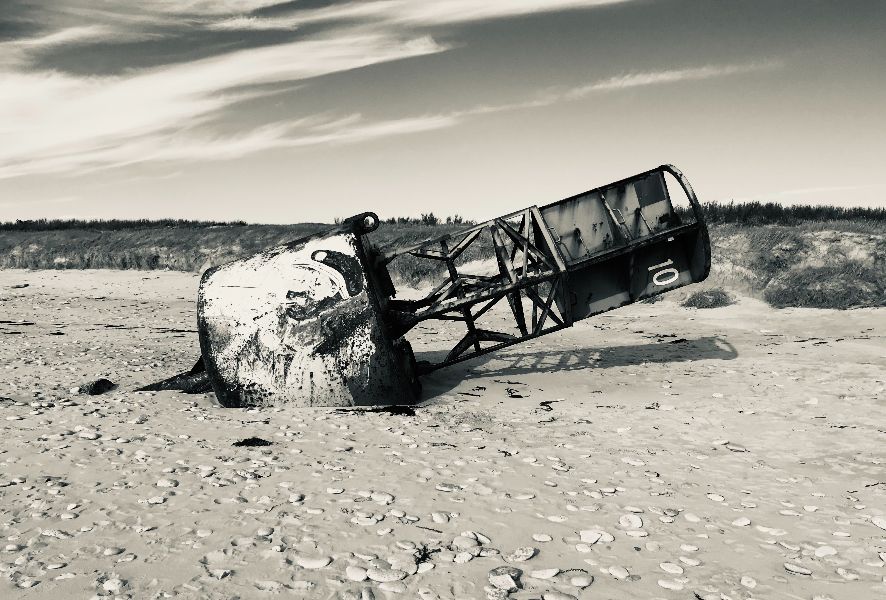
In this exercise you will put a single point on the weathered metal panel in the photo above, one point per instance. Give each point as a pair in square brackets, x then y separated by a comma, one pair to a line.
[298, 325]
[624, 242]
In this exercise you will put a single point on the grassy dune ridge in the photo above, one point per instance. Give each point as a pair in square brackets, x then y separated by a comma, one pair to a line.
[820, 256]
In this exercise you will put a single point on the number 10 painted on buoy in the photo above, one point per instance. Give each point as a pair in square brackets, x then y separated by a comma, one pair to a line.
[667, 275]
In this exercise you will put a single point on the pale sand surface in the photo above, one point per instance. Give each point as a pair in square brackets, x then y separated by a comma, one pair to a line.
[706, 449]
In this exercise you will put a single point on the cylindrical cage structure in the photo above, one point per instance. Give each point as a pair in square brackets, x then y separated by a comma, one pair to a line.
[316, 322]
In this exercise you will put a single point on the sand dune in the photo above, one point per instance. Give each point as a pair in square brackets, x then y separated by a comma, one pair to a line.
[653, 452]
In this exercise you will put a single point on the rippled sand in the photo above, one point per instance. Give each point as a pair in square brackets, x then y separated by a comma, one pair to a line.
[654, 452]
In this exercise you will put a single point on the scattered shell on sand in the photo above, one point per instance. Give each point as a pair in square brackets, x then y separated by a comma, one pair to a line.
[544, 573]
[463, 542]
[151, 479]
[672, 568]
[522, 554]
[313, 562]
[619, 572]
[505, 578]
[796, 569]
[670, 584]
[382, 575]
[630, 521]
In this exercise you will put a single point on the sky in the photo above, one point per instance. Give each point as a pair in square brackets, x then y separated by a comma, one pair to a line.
[308, 110]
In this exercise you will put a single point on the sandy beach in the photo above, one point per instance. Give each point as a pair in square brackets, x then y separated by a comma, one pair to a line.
[652, 452]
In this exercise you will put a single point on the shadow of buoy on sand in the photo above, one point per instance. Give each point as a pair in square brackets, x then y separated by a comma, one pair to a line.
[515, 362]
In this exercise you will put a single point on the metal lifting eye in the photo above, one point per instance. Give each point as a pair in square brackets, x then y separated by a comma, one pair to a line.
[369, 222]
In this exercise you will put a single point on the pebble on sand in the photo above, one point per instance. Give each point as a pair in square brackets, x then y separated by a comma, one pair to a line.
[114, 585]
[505, 578]
[670, 584]
[383, 575]
[313, 562]
[463, 542]
[544, 573]
[673, 569]
[796, 569]
[522, 554]
[630, 521]
[590, 536]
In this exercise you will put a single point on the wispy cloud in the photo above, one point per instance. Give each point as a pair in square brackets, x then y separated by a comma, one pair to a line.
[65, 36]
[384, 13]
[455, 11]
[217, 7]
[632, 80]
[622, 82]
[59, 123]
[93, 134]
[14, 54]
[244, 23]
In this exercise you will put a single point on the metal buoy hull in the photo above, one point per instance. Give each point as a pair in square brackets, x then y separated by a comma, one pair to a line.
[298, 324]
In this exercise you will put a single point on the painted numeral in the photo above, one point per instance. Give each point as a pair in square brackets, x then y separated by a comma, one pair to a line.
[666, 275]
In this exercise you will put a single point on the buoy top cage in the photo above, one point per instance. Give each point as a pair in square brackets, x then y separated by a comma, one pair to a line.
[318, 321]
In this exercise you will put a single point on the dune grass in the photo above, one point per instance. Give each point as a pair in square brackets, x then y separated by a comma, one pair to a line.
[710, 298]
[828, 257]
[847, 285]
[754, 214]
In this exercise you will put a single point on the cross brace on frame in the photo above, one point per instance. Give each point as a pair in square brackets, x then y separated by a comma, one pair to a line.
[530, 273]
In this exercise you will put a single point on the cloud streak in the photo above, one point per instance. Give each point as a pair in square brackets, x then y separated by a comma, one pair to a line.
[632, 80]
[185, 94]
[59, 123]
[388, 13]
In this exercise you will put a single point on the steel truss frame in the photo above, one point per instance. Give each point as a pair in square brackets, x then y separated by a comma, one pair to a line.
[531, 273]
